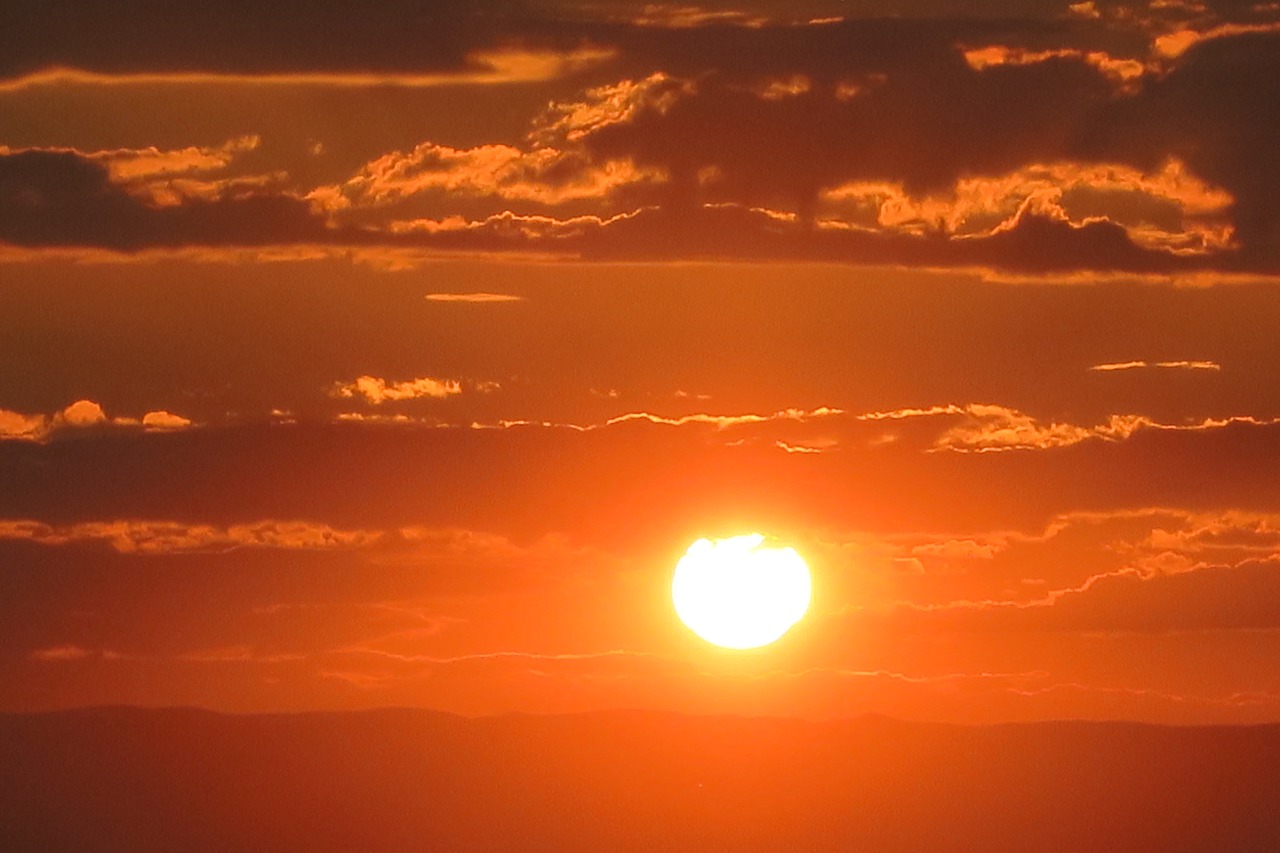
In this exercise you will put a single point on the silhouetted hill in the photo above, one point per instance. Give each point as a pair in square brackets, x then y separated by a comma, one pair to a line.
[177, 780]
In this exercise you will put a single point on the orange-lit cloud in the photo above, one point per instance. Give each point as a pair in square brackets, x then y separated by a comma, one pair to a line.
[1051, 231]
[125, 165]
[544, 175]
[18, 425]
[169, 177]
[1169, 208]
[376, 390]
[656, 123]
[1169, 365]
[162, 420]
[483, 67]
[724, 421]
[680, 17]
[1122, 70]
[803, 448]
[81, 414]
[1087, 9]
[71, 653]
[476, 298]
[990, 428]
[996, 428]
[170, 537]
[516, 232]
[1175, 44]
[605, 106]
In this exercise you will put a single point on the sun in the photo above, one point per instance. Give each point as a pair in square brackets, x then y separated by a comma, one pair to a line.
[738, 594]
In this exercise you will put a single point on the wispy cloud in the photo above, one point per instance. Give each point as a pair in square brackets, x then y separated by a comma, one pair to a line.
[477, 298]
[483, 67]
[1168, 365]
[137, 536]
[71, 653]
[985, 427]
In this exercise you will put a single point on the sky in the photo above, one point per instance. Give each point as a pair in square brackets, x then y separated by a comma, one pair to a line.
[355, 357]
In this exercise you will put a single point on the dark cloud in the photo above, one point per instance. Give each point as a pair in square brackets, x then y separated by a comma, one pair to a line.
[930, 125]
[766, 116]
[245, 37]
[61, 198]
[341, 35]
[1216, 110]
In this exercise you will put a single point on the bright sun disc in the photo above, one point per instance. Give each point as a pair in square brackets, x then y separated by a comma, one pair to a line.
[739, 595]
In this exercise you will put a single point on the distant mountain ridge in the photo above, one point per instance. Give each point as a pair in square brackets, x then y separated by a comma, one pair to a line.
[131, 779]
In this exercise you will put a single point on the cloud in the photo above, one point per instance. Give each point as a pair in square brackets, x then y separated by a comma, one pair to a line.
[152, 537]
[239, 654]
[603, 106]
[376, 390]
[1166, 208]
[986, 427]
[724, 421]
[1168, 365]
[1110, 117]
[1238, 597]
[162, 420]
[82, 414]
[64, 199]
[492, 66]
[1175, 44]
[1113, 570]
[816, 140]
[678, 17]
[134, 164]
[544, 174]
[61, 654]
[161, 178]
[477, 298]
[665, 477]
[20, 426]
[126, 165]
[963, 549]
[801, 448]
[1120, 70]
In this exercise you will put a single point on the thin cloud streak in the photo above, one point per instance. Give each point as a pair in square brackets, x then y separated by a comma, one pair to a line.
[488, 67]
[1168, 365]
[476, 298]
[154, 537]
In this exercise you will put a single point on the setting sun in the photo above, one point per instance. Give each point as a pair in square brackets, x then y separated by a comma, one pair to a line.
[737, 594]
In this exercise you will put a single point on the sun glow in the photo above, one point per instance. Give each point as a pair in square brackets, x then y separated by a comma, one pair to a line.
[736, 594]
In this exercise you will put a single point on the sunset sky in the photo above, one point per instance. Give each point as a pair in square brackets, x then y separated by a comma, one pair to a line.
[357, 356]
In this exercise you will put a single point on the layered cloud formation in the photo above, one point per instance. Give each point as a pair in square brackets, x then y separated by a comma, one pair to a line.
[1090, 138]
[353, 358]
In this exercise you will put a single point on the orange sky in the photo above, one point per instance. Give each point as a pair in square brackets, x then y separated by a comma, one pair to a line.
[354, 359]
